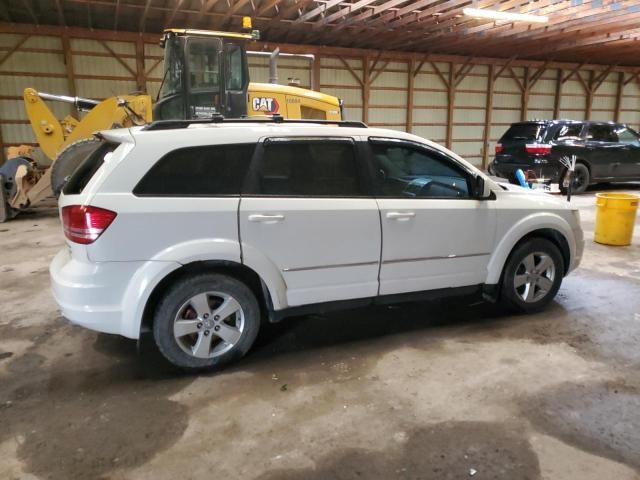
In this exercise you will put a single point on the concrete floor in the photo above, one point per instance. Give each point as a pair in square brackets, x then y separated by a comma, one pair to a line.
[451, 389]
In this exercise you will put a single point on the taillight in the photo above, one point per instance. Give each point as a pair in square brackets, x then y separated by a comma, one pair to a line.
[499, 148]
[538, 149]
[84, 224]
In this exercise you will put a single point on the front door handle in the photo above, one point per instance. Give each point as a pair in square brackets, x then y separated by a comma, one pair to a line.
[400, 215]
[265, 218]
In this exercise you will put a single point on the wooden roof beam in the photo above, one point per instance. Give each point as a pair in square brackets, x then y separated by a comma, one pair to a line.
[28, 6]
[143, 19]
[325, 7]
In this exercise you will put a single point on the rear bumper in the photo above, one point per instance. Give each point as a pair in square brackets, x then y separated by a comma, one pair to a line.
[550, 171]
[91, 294]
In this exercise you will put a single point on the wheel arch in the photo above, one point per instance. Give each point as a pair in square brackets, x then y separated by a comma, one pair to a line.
[233, 269]
[548, 226]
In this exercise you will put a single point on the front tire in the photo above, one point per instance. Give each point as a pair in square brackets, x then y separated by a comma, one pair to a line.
[532, 275]
[205, 321]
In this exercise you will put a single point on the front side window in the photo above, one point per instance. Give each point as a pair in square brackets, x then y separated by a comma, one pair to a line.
[172, 81]
[198, 171]
[235, 68]
[601, 133]
[627, 136]
[324, 168]
[204, 65]
[413, 172]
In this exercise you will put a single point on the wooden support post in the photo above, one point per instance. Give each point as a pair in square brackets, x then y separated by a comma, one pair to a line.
[451, 100]
[410, 81]
[619, 93]
[315, 74]
[525, 95]
[141, 79]
[366, 74]
[68, 63]
[558, 96]
[589, 101]
[488, 113]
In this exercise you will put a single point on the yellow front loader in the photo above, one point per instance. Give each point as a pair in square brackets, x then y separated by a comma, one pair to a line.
[206, 73]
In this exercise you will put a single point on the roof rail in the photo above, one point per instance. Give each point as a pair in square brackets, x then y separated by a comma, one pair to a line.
[175, 124]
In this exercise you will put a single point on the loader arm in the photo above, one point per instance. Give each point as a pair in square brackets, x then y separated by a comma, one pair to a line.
[54, 135]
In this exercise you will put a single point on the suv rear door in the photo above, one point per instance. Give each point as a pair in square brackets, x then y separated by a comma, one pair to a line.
[435, 234]
[308, 211]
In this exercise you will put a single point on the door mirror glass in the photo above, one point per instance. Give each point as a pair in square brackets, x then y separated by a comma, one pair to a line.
[479, 187]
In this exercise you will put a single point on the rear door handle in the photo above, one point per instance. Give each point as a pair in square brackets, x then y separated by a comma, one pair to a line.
[265, 218]
[400, 215]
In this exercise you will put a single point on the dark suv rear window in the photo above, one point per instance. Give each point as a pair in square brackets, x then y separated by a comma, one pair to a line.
[523, 132]
[198, 171]
[88, 167]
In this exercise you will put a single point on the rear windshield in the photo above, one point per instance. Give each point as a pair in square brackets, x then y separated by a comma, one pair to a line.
[88, 167]
[523, 132]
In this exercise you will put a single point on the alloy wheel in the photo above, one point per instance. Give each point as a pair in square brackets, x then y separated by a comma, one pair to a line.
[534, 277]
[209, 324]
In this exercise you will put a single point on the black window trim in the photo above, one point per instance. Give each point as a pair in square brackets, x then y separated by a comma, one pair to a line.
[470, 174]
[196, 195]
[251, 187]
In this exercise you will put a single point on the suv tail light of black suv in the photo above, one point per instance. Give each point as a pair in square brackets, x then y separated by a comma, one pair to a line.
[605, 151]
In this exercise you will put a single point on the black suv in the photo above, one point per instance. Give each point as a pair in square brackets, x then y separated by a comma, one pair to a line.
[605, 152]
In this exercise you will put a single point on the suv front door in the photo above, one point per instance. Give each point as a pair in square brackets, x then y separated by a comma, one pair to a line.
[435, 234]
[631, 165]
[308, 212]
[607, 157]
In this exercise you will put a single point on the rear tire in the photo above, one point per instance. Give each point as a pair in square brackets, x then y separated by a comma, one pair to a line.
[532, 275]
[581, 180]
[205, 321]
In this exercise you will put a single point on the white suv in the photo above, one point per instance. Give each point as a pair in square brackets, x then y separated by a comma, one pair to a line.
[198, 231]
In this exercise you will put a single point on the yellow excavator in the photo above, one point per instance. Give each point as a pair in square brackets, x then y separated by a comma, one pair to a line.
[206, 74]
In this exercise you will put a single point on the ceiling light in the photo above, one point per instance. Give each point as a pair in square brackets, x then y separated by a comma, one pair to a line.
[506, 16]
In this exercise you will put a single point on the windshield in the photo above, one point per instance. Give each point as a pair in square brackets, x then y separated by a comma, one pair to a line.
[204, 64]
[172, 81]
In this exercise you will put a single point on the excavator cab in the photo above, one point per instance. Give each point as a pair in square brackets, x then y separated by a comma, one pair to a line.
[206, 73]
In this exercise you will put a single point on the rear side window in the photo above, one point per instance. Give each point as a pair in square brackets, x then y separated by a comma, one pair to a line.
[568, 132]
[601, 133]
[88, 167]
[523, 132]
[309, 168]
[198, 171]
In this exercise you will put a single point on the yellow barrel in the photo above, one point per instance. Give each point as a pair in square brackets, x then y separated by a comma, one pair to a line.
[615, 218]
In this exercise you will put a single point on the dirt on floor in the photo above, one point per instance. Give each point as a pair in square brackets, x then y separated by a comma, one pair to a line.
[448, 389]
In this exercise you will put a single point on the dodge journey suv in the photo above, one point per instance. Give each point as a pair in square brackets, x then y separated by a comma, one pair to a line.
[199, 231]
[605, 152]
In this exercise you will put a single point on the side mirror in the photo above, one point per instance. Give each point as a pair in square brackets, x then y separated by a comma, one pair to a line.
[480, 188]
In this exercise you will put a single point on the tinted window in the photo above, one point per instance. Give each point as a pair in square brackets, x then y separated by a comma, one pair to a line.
[88, 167]
[309, 168]
[203, 63]
[522, 132]
[235, 69]
[601, 133]
[627, 136]
[211, 170]
[568, 132]
[403, 171]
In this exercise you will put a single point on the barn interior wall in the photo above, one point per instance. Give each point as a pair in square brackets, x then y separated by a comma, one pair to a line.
[464, 105]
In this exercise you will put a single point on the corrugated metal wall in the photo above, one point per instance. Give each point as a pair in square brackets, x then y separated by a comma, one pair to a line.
[39, 62]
